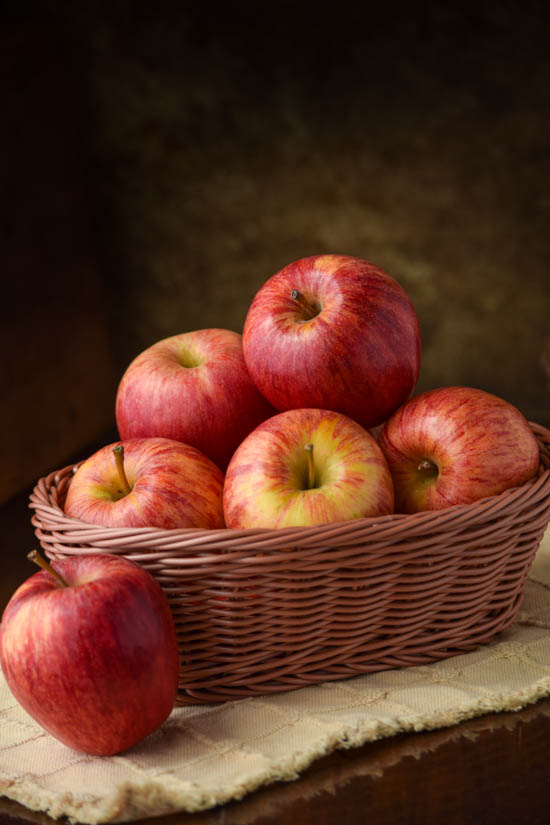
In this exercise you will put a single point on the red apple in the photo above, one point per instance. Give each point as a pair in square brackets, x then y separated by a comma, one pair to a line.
[93, 657]
[193, 388]
[333, 332]
[456, 445]
[306, 467]
[147, 482]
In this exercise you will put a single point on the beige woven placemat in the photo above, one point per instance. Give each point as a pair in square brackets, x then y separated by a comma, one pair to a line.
[206, 755]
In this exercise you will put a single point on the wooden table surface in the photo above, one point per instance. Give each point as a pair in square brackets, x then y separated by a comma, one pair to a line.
[487, 771]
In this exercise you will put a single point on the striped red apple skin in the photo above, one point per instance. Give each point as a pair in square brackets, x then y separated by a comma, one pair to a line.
[94, 663]
[359, 355]
[456, 445]
[266, 484]
[194, 388]
[172, 485]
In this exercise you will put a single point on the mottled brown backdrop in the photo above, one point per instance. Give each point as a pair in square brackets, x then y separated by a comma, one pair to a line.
[216, 144]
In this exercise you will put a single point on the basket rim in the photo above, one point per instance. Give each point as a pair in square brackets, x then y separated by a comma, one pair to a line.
[40, 501]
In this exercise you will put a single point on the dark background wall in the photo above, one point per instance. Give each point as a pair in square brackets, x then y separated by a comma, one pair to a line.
[164, 159]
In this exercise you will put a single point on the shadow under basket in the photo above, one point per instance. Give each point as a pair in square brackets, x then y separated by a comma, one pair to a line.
[260, 611]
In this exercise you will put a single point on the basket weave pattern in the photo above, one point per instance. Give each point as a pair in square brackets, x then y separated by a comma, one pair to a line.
[259, 611]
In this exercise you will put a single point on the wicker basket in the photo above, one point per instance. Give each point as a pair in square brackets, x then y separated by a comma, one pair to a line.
[259, 611]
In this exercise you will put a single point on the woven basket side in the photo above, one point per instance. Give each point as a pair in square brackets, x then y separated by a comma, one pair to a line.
[258, 611]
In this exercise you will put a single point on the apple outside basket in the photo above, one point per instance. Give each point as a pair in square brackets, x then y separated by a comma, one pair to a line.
[259, 611]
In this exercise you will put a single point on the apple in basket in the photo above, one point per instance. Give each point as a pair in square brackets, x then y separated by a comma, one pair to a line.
[88, 648]
[193, 388]
[147, 482]
[456, 445]
[333, 332]
[306, 467]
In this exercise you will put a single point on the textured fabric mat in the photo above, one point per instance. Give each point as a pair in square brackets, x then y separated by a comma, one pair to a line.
[206, 755]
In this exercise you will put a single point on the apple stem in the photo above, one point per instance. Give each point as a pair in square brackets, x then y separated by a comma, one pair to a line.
[35, 556]
[119, 458]
[302, 301]
[427, 466]
[310, 467]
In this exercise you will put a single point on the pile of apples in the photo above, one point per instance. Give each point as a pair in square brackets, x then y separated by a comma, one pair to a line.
[273, 428]
[270, 429]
